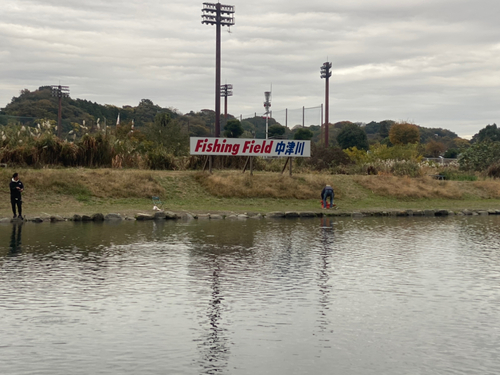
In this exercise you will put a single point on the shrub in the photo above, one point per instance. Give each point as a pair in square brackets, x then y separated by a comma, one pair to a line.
[398, 152]
[380, 152]
[371, 170]
[95, 151]
[160, 159]
[406, 168]
[480, 156]
[358, 156]
[69, 154]
[494, 170]
[326, 158]
[451, 153]
[22, 156]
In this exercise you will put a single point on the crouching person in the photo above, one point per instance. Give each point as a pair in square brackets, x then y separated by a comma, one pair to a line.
[327, 192]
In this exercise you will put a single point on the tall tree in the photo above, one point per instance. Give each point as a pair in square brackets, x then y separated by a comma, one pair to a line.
[276, 130]
[384, 128]
[460, 143]
[352, 135]
[233, 129]
[403, 133]
[303, 134]
[434, 148]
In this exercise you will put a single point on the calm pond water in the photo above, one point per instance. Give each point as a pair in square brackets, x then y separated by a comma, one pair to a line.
[317, 296]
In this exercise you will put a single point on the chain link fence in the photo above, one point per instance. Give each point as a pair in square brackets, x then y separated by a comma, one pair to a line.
[293, 117]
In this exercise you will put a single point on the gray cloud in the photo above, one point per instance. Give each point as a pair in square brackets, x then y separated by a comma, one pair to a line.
[431, 62]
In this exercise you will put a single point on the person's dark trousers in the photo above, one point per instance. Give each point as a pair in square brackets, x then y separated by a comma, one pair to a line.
[325, 197]
[18, 203]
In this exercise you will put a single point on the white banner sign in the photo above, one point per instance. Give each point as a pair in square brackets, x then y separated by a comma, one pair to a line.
[249, 147]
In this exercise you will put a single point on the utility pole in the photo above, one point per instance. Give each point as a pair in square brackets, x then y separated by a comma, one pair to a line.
[218, 15]
[326, 73]
[225, 91]
[60, 92]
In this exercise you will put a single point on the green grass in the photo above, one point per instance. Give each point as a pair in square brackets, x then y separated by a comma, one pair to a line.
[458, 176]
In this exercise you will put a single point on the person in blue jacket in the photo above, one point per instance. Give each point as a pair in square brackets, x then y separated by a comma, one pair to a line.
[327, 192]
[16, 188]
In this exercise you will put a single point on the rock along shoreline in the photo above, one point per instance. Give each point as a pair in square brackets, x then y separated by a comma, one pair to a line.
[168, 215]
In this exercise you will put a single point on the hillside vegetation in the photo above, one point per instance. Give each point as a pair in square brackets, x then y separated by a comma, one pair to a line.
[32, 107]
[150, 137]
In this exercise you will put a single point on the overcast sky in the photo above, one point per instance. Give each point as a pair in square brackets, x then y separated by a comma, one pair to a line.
[432, 62]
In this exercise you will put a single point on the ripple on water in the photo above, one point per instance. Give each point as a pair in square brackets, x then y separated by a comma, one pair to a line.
[367, 296]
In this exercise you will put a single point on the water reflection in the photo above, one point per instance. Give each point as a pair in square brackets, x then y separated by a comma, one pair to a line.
[214, 343]
[15, 239]
[324, 270]
[326, 223]
[383, 296]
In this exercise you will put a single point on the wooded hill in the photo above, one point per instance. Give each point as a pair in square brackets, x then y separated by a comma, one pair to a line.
[32, 107]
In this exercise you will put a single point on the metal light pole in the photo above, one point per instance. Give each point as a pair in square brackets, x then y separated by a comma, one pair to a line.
[218, 15]
[326, 73]
[267, 105]
[225, 91]
[60, 92]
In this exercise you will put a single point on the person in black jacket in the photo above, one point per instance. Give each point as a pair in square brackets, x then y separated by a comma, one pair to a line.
[16, 188]
[325, 193]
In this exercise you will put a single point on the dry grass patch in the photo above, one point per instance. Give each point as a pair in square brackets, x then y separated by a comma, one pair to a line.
[264, 185]
[99, 183]
[405, 187]
[123, 184]
[490, 189]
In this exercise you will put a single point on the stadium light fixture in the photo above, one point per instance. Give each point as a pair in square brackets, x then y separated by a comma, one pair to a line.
[326, 74]
[218, 15]
[225, 91]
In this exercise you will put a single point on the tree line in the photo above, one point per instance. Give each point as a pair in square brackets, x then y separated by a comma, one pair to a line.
[151, 135]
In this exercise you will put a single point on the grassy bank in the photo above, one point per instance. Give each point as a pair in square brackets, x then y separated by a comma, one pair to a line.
[68, 191]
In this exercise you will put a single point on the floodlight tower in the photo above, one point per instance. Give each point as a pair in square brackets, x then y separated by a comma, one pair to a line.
[326, 73]
[225, 91]
[60, 92]
[218, 15]
[267, 105]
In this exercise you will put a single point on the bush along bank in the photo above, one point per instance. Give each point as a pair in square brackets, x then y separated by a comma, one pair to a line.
[168, 215]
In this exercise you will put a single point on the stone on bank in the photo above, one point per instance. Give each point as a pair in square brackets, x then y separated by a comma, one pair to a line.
[144, 217]
[113, 217]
